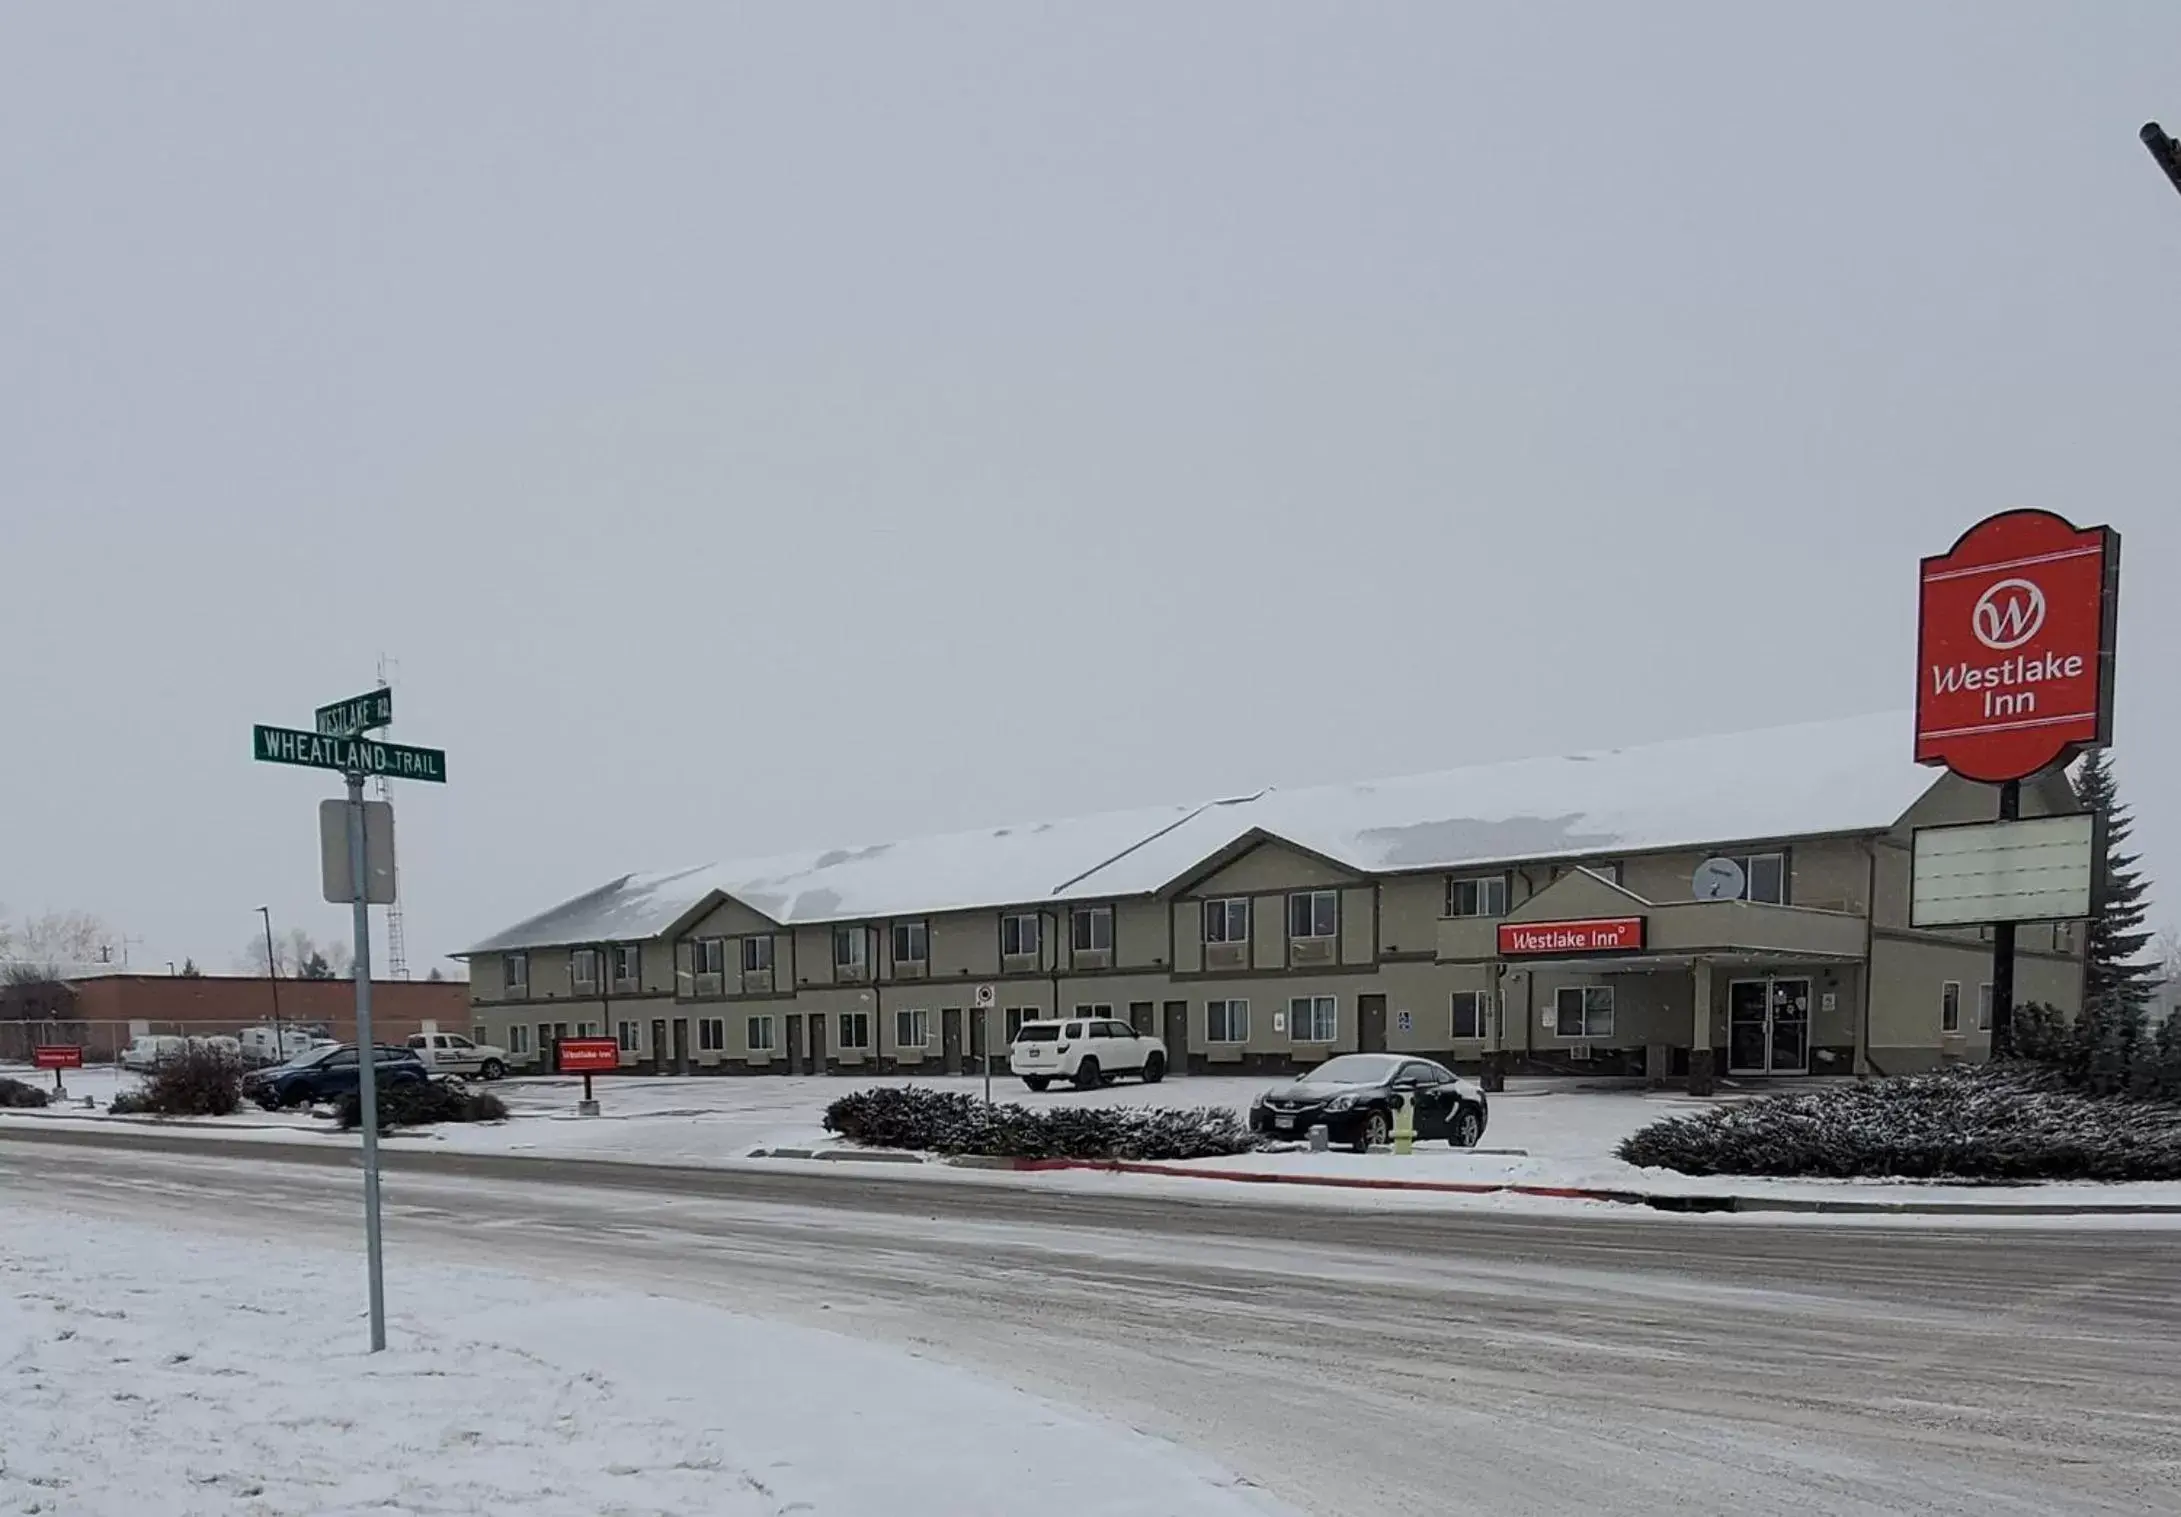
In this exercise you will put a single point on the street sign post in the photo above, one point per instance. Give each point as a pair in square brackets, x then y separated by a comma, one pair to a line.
[359, 713]
[585, 1056]
[57, 1057]
[986, 999]
[338, 745]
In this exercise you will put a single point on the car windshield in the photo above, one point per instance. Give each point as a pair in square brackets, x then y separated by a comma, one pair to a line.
[1354, 1069]
[1038, 1032]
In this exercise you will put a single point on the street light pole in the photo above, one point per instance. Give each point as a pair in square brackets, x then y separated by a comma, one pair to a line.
[2164, 151]
[272, 978]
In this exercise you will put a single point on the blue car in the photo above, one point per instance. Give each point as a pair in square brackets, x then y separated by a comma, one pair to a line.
[326, 1074]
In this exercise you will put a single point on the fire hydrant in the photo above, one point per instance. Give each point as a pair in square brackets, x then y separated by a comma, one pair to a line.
[1404, 1124]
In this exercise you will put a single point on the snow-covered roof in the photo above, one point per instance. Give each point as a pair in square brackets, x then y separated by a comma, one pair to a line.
[1811, 778]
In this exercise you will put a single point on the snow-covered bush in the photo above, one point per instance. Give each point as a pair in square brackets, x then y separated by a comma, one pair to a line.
[418, 1105]
[1995, 1122]
[16, 1093]
[197, 1082]
[944, 1122]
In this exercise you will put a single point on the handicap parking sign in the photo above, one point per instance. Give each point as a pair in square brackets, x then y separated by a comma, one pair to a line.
[1405, 1022]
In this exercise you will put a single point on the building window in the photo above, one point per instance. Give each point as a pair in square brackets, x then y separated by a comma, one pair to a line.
[1313, 1019]
[628, 966]
[1093, 929]
[1984, 1007]
[1019, 934]
[518, 1038]
[1093, 1011]
[1226, 1021]
[1583, 1011]
[1764, 877]
[760, 1031]
[586, 1029]
[515, 975]
[1484, 896]
[1313, 914]
[628, 1038]
[711, 1034]
[1950, 1006]
[1472, 1013]
[583, 971]
[848, 948]
[757, 954]
[1227, 921]
[912, 942]
[710, 957]
[1017, 1015]
[855, 1029]
[911, 1027]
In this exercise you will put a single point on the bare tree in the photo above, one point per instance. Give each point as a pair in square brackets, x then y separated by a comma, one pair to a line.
[292, 951]
[57, 938]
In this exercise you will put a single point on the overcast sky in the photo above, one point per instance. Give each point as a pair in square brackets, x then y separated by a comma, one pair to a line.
[751, 427]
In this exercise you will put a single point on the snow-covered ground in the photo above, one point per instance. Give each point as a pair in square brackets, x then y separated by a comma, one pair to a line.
[1544, 1133]
[150, 1373]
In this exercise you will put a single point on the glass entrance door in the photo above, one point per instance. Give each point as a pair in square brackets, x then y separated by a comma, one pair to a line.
[1768, 1027]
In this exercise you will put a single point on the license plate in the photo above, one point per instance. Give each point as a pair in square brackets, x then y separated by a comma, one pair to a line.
[1283, 1121]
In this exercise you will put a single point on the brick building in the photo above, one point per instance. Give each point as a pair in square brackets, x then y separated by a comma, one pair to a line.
[103, 1011]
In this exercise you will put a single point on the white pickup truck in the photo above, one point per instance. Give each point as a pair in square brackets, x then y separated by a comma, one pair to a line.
[449, 1053]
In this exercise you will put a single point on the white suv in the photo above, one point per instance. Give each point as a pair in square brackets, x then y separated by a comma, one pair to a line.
[1087, 1050]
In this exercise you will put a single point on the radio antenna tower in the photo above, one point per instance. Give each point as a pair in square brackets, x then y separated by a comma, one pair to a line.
[397, 946]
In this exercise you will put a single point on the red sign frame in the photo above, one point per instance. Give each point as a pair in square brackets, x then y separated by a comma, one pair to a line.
[580, 1056]
[57, 1056]
[2015, 628]
[1582, 935]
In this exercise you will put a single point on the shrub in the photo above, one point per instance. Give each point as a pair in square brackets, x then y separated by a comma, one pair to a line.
[197, 1082]
[1997, 1122]
[128, 1103]
[16, 1093]
[419, 1105]
[947, 1122]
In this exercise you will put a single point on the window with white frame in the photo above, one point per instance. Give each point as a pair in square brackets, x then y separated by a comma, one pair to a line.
[855, 1029]
[1093, 929]
[1313, 1019]
[583, 971]
[1583, 1011]
[760, 1031]
[1226, 1021]
[628, 1034]
[628, 966]
[1472, 1014]
[912, 1026]
[1093, 1011]
[1017, 1015]
[1483, 895]
[1228, 920]
[1950, 1006]
[1984, 1007]
[586, 1029]
[912, 942]
[757, 953]
[711, 1034]
[709, 956]
[1764, 876]
[1313, 914]
[848, 948]
[1019, 934]
[518, 1038]
[515, 975]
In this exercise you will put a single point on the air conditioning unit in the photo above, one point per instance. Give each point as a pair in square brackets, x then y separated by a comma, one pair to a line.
[756, 981]
[1224, 955]
[1580, 1052]
[910, 969]
[1094, 958]
[708, 985]
[1311, 951]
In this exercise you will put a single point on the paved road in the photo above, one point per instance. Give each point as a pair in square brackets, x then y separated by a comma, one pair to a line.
[1360, 1362]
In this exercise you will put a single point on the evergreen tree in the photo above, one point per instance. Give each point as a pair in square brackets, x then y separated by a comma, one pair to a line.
[190, 971]
[2115, 971]
[316, 968]
[2169, 1058]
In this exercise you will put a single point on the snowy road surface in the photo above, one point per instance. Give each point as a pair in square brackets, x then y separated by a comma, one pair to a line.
[1371, 1361]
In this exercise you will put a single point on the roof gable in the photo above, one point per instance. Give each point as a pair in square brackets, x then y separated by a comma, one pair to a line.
[1578, 894]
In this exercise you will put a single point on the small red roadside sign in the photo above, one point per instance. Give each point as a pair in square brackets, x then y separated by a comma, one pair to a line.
[1590, 935]
[588, 1055]
[2014, 646]
[57, 1056]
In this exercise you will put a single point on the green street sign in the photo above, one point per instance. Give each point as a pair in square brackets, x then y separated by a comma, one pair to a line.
[317, 750]
[374, 708]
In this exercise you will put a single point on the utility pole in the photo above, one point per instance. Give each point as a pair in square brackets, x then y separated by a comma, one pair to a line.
[2164, 151]
[272, 978]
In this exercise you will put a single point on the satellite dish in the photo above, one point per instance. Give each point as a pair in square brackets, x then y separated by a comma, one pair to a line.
[1717, 880]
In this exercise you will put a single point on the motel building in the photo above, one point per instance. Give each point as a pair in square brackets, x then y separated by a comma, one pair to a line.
[1731, 906]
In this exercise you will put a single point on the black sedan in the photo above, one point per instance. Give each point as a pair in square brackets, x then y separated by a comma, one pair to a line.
[322, 1074]
[1355, 1096]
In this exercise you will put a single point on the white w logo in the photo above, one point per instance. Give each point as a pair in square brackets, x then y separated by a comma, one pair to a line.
[2009, 614]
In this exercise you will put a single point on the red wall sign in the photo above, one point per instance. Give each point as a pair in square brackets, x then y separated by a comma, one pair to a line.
[1591, 935]
[580, 1054]
[2014, 646]
[57, 1056]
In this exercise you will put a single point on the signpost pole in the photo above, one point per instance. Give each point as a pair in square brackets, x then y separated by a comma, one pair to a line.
[367, 1059]
[2010, 809]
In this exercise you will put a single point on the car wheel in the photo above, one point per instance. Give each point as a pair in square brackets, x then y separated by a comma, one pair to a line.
[1086, 1075]
[1155, 1069]
[1036, 1082]
[491, 1069]
[1374, 1131]
[1468, 1129]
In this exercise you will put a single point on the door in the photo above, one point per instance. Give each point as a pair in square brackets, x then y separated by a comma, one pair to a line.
[681, 1045]
[658, 1046]
[1768, 1027]
[1177, 1037]
[816, 1024]
[950, 1037]
[1140, 1018]
[1371, 1024]
[795, 1064]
